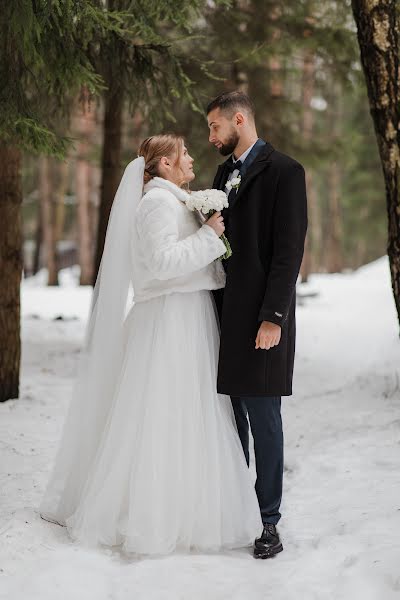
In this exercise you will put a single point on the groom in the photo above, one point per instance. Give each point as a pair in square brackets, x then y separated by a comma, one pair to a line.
[266, 225]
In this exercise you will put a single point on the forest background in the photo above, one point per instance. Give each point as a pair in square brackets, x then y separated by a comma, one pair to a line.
[300, 66]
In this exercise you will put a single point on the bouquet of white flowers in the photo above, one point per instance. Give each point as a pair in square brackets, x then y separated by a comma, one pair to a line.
[207, 202]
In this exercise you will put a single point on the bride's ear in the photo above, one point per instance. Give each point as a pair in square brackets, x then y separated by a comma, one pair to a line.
[165, 162]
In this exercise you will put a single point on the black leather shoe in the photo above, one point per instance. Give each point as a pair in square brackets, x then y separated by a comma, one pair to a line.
[269, 544]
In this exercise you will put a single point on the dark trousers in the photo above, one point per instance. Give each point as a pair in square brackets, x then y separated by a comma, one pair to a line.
[264, 415]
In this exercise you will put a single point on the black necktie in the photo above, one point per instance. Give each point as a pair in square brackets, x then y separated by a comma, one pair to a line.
[231, 166]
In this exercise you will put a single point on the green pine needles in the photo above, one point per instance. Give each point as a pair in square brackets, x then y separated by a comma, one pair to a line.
[50, 49]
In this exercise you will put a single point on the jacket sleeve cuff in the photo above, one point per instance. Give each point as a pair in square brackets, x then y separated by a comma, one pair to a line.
[276, 317]
[215, 241]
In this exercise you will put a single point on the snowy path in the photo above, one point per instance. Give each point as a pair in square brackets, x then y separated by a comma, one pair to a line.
[341, 507]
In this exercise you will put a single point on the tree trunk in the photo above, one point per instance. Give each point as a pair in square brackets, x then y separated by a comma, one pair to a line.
[47, 219]
[378, 37]
[312, 251]
[38, 241]
[86, 124]
[59, 210]
[334, 232]
[312, 240]
[84, 230]
[111, 165]
[276, 83]
[239, 78]
[10, 270]
[95, 183]
[334, 242]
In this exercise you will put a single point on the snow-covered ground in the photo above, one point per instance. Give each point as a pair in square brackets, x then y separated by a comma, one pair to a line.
[341, 506]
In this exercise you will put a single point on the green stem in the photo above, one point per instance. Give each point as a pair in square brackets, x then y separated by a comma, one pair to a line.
[228, 252]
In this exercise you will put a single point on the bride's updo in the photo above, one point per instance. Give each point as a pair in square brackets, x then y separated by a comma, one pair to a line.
[155, 147]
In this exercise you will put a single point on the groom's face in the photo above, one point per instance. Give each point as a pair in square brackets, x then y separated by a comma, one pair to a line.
[223, 132]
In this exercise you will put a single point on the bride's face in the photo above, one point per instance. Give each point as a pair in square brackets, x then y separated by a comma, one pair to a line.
[181, 172]
[186, 166]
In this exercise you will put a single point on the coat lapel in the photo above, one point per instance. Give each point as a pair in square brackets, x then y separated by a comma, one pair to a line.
[219, 177]
[258, 165]
[254, 152]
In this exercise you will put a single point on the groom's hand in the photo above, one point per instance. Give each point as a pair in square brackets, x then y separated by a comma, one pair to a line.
[268, 336]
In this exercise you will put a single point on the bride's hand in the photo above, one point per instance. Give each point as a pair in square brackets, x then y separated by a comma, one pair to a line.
[216, 222]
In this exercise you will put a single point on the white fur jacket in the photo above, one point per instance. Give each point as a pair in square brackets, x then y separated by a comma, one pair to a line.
[171, 250]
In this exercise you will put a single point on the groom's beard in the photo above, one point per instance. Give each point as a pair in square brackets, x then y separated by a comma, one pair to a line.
[229, 146]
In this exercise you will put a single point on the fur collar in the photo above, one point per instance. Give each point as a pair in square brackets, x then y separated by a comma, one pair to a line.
[160, 182]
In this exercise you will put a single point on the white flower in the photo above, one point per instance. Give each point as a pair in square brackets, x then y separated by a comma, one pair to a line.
[207, 200]
[233, 183]
[210, 201]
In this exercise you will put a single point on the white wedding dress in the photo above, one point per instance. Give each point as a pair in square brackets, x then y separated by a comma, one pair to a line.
[150, 459]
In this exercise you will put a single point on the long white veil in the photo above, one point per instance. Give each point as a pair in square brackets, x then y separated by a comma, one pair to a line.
[102, 355]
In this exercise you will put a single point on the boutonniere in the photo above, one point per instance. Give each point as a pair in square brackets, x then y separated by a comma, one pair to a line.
[234, 183]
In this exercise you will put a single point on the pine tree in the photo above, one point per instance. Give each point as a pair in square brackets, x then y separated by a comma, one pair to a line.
[43, 59]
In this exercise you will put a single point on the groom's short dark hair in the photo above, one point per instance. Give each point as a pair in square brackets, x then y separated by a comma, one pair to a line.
[232, 102]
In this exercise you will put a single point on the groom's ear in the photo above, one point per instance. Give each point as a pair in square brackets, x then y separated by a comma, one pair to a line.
[239, 119]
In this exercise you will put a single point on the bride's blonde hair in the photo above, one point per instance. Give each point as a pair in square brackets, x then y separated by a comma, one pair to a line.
[155, 147]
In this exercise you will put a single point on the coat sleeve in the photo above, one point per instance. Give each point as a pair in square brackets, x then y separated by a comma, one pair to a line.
[289, 231]
[165, 255]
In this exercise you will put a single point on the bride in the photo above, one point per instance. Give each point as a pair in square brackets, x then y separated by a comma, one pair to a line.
[150, 459]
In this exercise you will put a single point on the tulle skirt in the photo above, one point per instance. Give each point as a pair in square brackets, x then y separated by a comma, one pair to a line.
[169, 473]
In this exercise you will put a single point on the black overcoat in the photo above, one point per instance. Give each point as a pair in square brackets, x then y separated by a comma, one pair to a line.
[266, 228]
